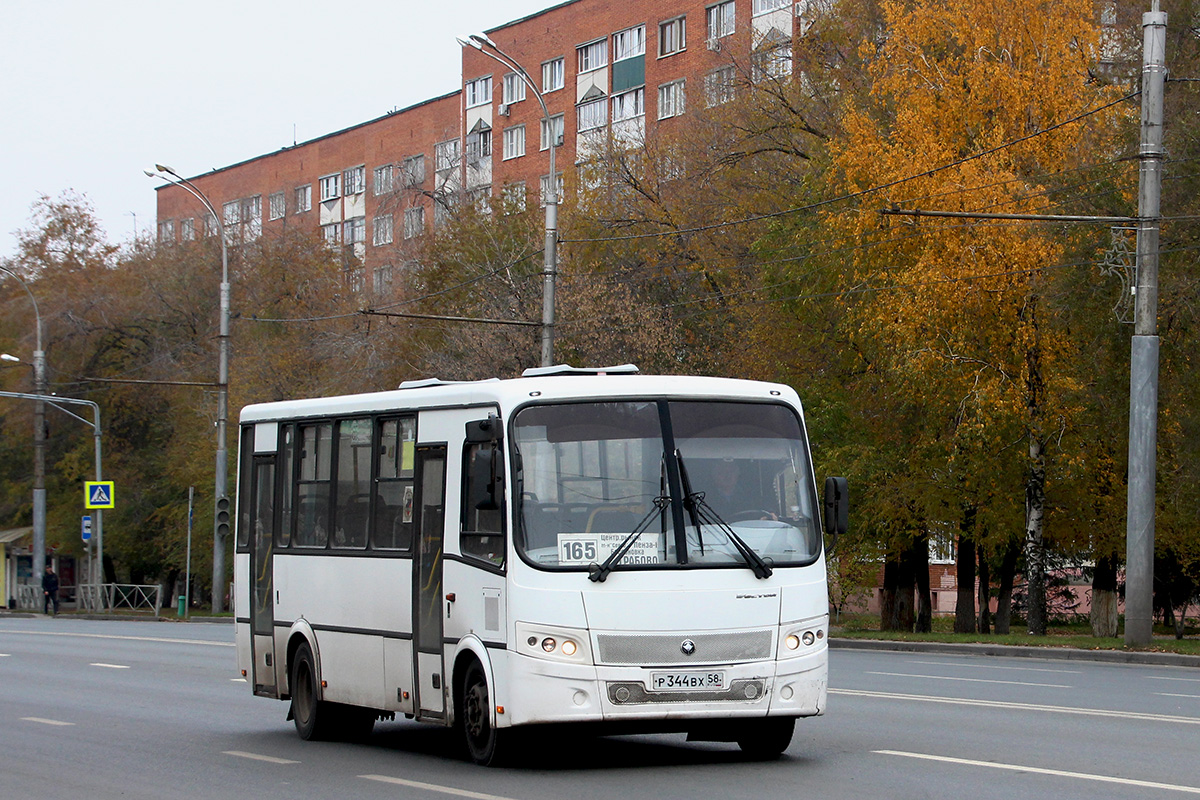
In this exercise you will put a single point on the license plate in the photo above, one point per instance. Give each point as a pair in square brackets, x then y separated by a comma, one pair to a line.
[686, 681]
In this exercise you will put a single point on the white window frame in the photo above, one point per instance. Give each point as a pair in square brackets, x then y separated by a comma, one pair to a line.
[719, 86]
[677, 36]
[330, 186]
[384, 182]
[514, 142]
[303, 196]
[721, 19]
[413, 168]
[479, 146]
[592, 56]
[629, 105]
[414, 222]
[354, 230]
[559, 123]
[331, 232]
[277, 205]
[554, 74]
[231, 213]
[166, 231]
[592, 115]
[187, 229]
[629, 43]
[383, 279]
[513, 90]
[478, 92]
[354, 180]
[773, 62]
[671, 99]
[767, 6]
[382, 230]
[356, 279]
[512, 196]
[447, 155]
[545, 184]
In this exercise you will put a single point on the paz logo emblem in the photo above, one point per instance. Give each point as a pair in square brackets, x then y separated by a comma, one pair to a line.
[688, 647]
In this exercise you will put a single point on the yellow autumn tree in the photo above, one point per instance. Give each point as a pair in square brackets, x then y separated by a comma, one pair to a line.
[973, 107]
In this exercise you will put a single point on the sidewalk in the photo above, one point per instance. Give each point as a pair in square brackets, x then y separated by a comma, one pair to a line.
[1019, 651]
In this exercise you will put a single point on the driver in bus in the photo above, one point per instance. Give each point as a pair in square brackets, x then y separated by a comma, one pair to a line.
[728, 497]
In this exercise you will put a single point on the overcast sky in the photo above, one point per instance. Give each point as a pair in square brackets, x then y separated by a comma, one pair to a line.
[94, 91]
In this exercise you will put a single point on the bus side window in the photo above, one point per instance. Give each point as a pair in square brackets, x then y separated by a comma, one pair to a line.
[482, 534]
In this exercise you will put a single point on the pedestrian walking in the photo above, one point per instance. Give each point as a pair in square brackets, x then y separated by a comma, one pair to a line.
[49, 590]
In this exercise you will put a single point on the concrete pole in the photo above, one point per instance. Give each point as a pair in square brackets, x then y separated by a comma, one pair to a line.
[1143, 367]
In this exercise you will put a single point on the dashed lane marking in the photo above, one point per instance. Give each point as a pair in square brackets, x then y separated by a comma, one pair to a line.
[162, 639]
[43, 721]
[969, 680]
[433, 787]
[259, 757]
[109, 666]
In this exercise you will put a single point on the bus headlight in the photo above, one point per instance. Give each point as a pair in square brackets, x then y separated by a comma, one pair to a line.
[798, 637]
[792, 641]
[551, 641]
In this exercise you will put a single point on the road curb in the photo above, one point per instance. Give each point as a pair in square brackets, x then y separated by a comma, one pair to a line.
[1020, 651]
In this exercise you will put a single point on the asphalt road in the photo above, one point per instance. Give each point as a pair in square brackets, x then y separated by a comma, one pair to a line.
[103, 709]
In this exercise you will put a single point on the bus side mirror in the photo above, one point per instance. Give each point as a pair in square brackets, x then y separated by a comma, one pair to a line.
[483, 431]
[837, 506]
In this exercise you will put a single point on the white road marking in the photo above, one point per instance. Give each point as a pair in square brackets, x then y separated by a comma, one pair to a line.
[1169, 694]
[259, 757]
[114, 636]
[1058, 773]
[109, 666]
[46, 721]
[992, 666]
[433, 787]
[1181, 680]
[969, 680]
[1087, 712]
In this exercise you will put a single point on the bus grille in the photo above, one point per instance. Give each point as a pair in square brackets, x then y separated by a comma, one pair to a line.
[746, 690]
[653, 649]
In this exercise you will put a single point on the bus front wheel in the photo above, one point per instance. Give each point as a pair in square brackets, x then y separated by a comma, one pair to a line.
[314, 718]
[474, 718]
[766, 739]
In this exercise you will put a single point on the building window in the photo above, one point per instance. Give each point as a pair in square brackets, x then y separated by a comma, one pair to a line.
[512, 197]
[356, 278]
[553, 75]
[383, 280]
[593, 55]
[354, 230]
[670, 99]
[231, 213]
[479, 146]
[329, 187]
[478, 92]
[718, 86]
[629, 43]
[277, 205]
[355, 181]
[481, 199]
[514, 89]
[414, 222]
[514, 142]
[381, 230]
[303, 198]
[628, 105]
[720, 20]
[556, 123]
[330, 232]
[166, 230]
[672, 36]
[383, 179]
[252, 216]
[767, 6]
[210, 225]
[773, 62]
[413, 168]
[558, 188]
[187, 229]
[446, 155]
[592, 114]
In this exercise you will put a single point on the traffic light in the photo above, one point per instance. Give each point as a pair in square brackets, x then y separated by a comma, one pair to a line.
[222, 516]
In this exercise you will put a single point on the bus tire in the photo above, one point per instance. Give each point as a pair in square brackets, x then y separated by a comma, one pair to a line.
[315, 719]
[766, 739]
[483, 742]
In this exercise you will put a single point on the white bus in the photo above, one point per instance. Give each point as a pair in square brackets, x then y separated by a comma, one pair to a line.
[573, 546]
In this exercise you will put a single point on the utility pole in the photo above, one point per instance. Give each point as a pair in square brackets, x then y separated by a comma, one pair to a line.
[1143, 366]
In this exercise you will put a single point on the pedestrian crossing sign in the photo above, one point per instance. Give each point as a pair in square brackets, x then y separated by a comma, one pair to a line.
[98, 494]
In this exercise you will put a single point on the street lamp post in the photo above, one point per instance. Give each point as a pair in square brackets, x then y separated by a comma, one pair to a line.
[39, 438]
[550, 253]
[221, 509]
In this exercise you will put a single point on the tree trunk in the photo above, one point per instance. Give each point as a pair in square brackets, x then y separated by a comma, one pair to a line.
[887, 603]
[1104, 597]
[1008, 572]
[985, 591]
[964, 612]
[919, 559]
[1035, 545]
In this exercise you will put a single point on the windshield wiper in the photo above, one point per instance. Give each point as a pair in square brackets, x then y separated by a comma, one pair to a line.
[599, 572]
[702, 513]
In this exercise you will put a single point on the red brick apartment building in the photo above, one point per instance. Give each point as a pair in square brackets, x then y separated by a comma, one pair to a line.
[608, 70]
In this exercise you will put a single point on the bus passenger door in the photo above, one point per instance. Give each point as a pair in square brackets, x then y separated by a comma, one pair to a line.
[429, 512]
[262, 612]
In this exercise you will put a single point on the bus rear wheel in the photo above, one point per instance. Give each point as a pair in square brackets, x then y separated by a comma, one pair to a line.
[766, 739]
[484, 743]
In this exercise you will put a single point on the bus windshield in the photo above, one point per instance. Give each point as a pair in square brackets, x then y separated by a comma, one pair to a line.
[589, 474]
